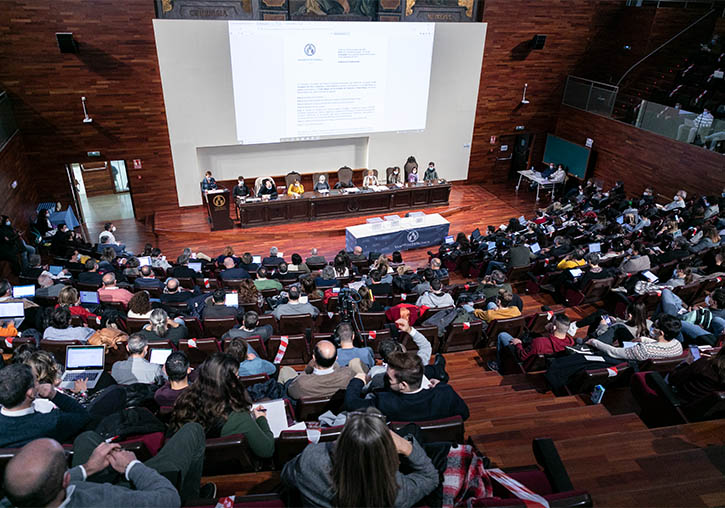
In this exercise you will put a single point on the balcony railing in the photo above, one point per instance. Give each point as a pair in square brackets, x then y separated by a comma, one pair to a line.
[589, 95]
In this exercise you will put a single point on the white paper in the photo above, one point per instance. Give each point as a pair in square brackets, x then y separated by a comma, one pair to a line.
[276, 415]
[594, 358]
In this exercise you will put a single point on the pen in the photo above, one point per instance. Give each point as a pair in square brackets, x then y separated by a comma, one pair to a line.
[111, 439]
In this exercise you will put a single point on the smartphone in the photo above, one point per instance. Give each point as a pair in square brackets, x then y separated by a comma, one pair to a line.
[597, 394]
[695, 352]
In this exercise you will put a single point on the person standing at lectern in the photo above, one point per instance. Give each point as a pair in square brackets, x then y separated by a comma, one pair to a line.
[208, 183]
[430, 174]
[240, 189]
[267, 189]
[296, 189]
[321, 184]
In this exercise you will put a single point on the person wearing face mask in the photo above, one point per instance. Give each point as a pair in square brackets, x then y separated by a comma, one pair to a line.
[108, 230]
[677, 202]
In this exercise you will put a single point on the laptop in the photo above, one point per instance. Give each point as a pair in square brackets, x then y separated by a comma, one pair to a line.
[620, 219]
[83, 362]
[449, 239]
[257, 260]
[595, 247]
[522, 220]
[90, 297]
[535, 248]
[24, 291]
[575, 272]
[12, 311]
[159, 356]
[231, 299]
[476, 234]
[55, 270]
[196, 267]
[144, 260]
[491, 246]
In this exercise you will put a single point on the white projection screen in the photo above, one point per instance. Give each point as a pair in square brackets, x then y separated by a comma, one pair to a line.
[209, 127]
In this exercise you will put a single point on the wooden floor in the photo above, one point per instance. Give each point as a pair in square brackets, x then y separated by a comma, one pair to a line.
[612, 454]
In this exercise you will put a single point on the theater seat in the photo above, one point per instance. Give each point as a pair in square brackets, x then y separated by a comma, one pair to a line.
[230, 455]
[444, 429]
[297, 351]
[290, 443]
[308, 409]
[462, 337]
[203, 349]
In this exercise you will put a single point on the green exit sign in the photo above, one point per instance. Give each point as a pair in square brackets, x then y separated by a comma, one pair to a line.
[94, 154]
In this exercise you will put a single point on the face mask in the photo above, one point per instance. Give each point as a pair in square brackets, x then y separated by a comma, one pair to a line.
[113, 229]
[708, 300]
[7, 223]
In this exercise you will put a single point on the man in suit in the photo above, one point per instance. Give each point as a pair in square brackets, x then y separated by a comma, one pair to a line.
[357, 254]
[137, 369]
[322, 377]
[147, 280]
[407, 400]
[273, 258]
[315, 258]
[232, 273]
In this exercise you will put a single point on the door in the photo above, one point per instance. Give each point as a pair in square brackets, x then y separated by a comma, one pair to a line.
[521, 154]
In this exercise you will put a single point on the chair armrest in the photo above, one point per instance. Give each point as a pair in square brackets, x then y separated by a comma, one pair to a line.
[663, 389]
[548, 458]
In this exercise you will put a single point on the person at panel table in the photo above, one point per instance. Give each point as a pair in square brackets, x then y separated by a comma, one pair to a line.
[296, 189]
[394, 176]
[322, 184]
[413, 175]
[240, 189]
[208, 183]
[430, 174]
[370, 179]
[267, 189]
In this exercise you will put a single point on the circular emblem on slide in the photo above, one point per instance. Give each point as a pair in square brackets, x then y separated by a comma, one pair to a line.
[310, 49]
[413, 236]
[219, 201]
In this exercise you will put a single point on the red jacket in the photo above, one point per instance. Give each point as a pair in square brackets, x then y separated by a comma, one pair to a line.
[547, 345]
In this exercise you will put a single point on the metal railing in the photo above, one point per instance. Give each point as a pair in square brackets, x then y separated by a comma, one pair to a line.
[8, 127]
[589, 95]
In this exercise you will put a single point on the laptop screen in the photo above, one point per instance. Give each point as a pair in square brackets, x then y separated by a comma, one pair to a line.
[257, 259]
[12, 310]
[196, 267]
[231, 300]
[491, 245]
[159, 356]
[476, 234]
[620, 219]
[55, 269]
[535, 247]
[449, 239]
[144, 260]
[595, 247]
[522, 220]
[575, 272]
[24, 291]
[84, 357]
[90, 297]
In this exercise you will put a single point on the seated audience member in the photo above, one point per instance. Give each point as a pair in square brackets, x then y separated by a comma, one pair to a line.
[137, 369]
[232, 273]
[249, 363]
[611, 329]
[397, 257]
[174, 293]
[637, 261]
[240, 189]
[438, 270]
[284, 275]
[109, 260]
[593, 272]
[250, 328]
[161, 328]
[430, 174]
[389, 346]
[695, 381]
[61, 241]
[43, 225]
[357, 254]
[111, 293]
[247, 262]
[60, 328]
[294, 306]
[710, 239]
[177, 370]
[219, 402]
[309, 288]
[182, 270]
[208, 183]
[69, 297]
[407, 400]
[377, 286]
[347, 351]
[147, 280]
[413, 176]
[677, 202]
[228, 252]
[368, 303]
[662, 342]
[682, 276]
[361, 468]
[321, 184]
[297, 265]
[131, 268]
[139, 306]
[104, 246]
[20, 423]
[108, 230]
[6, 295]
[215, 308]
[91, 275]
[436, 297]
[491, 285]
[555, 342]
[273, 259]
[322, 377]
[48, 288]
[574, 259]
[262, 282]
[694, 326]
[503, 308]
[340, 266]
[34, 268]
[315, 258]
[267, 190]
[296, 189]
[327, 278]
[158, 260]
[249, 294]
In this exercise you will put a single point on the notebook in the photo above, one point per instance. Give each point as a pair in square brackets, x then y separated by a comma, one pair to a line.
[90, 297]
[231, 300]
[159, 356]
[144, 260]
[83, 362]
[595, 247]
[24, 291]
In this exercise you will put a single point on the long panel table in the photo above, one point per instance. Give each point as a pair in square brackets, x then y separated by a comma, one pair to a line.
[407, 234]
[314, 205]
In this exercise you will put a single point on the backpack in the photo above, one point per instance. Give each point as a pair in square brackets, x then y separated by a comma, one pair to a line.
[129, 422]
[195, 306]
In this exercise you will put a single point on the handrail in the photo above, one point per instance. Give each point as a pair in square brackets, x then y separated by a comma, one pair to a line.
[709, 13]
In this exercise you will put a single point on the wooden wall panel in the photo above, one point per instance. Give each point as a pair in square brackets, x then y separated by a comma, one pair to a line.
[570, 26]
[98, 182]
[640, 158]
[116, 70]
[19, 203]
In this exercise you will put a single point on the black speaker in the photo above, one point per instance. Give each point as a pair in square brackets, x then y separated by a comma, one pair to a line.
[538, 41]
[66, 42]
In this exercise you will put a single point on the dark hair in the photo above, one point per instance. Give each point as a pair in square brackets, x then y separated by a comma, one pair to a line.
[718, 296]
[262, 272]
[308, 284]
[294, 293]
[428, 274]
[436, 285]
[323, 362]
[670, 326]
[15, 380]
[216, 393]
[110, 316]
[219, 295]
[60, 317]
[91, 265]
[389, 346]
[408, 368]
[177, 366]
[397, 257]
[5, 286]
[140, 303]
[146, 270]
[638, 318]
[296, 259]
[593, 258]
[375, 275]
[237, 348]
[365, 462]
[107, 226]
[251, 318]
[23, 352]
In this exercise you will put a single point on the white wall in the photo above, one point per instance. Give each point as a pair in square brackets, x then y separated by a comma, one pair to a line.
[196, 77]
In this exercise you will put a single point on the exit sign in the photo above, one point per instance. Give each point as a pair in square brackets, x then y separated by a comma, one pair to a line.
[94, 154]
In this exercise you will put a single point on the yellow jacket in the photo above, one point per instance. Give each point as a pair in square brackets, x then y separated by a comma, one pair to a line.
[295, 188]
[500, 313]
[566, 264]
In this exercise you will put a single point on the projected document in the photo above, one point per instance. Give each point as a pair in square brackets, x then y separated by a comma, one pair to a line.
[309, 80]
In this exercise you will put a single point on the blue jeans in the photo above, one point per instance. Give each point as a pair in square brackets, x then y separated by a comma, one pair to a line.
[503, 341]
[671, 304]
[495, 265]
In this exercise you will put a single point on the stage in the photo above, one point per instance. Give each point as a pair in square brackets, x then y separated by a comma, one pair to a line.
[469, 207]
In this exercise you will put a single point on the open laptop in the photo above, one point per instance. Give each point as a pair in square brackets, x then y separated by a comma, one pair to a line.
[159, 355]
[595, 247]
[476, 234]
[90, 298]
[24, 291]
[231, 299]
[449, 239]
[12, 311]
[535, 248]
[55, 270]
[196, 267]
[83, 362]
[144, 260]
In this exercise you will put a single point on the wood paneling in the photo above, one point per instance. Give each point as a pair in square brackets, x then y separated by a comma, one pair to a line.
[19, 203]
[640, 158]
[116, 70]
[98, 182]
[570, 26]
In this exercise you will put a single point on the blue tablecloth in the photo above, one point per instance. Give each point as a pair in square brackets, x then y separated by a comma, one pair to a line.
[66, 217]
[408, 235]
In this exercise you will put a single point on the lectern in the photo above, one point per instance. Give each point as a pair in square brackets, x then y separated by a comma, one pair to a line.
[217, 204]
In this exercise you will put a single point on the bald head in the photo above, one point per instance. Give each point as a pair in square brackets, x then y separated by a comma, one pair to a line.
[357, 250]
[325, 354]
[228, 263]
[34, 477]
[172, 285]
[435, 263]
[109, 279]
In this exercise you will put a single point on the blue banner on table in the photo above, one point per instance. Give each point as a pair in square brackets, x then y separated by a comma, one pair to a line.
[404, 237]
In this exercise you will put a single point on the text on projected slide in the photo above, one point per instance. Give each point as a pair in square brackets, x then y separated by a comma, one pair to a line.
[312, 79]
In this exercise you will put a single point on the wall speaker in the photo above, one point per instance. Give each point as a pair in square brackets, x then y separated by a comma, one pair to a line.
[538, 41]
[66, 42]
